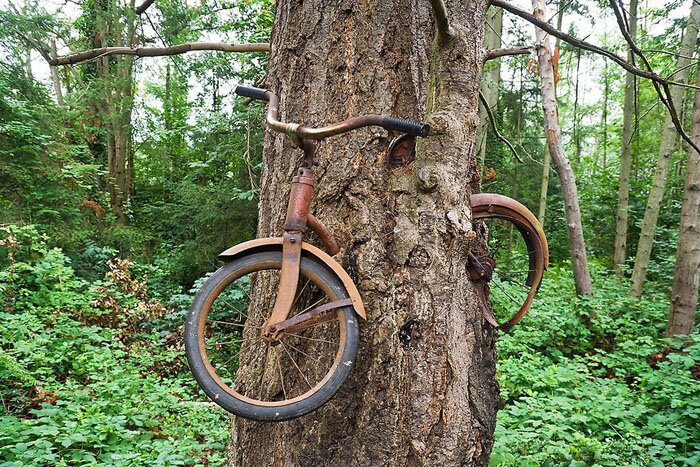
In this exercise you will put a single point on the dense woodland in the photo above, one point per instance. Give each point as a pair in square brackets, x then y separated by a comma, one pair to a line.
[123, 177]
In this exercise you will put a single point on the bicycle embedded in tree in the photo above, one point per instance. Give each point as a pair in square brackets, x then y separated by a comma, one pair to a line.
[286, 349]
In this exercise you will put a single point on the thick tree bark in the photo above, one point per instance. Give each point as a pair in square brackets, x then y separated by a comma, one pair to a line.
[567, 180]
[491, 77]
[405, 233]
[628, 117]
[666, 148]
[684, 300]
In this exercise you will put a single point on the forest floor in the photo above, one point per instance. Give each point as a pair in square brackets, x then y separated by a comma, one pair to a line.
[586, 381]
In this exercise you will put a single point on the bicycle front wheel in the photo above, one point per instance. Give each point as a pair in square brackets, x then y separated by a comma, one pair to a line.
[259, 379]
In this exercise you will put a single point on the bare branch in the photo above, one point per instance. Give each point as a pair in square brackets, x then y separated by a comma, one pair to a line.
[442, 22]
[586, 45]
[496, 133]
[144, 6]
[156, 51]
[665, 96]
[498, 53]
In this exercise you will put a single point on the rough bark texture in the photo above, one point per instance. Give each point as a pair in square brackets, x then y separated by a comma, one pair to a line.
[684, 300]
[668, 144]
[567, 180]
[491, 77]
[405, 233]
[628, 117]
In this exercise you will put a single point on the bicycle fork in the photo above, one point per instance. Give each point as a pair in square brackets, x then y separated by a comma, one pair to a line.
[295, 224]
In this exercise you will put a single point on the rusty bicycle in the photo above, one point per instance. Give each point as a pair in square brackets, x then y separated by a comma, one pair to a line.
[285, 350]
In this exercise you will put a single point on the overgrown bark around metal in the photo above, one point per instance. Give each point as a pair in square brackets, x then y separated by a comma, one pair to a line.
[628, 118]
[668, 145]
[686, 277]
[567, 180]
[428, 397]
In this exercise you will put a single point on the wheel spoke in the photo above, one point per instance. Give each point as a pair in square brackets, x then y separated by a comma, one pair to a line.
[311, 338]
[279, 367]
[506, 293]
[284, 346]
[235, 324]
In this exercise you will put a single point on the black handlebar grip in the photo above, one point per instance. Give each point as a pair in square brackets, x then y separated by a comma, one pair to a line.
[406, 126]
[253, 93]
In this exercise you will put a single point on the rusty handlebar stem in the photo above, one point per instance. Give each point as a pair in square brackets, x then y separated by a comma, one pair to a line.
[296, 131]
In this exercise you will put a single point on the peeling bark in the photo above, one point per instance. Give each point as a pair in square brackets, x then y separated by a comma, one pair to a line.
[666, 149]
[567, 180]
[433, 400]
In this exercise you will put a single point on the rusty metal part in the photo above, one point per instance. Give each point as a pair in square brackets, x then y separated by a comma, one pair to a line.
[289, 279]
[318, 315]
[492, 205]
[323, 234]
[254, 245]
[480, 271]
[313, 252]
[493, 202]
[299, 200]
[294, 130]
[402, 151]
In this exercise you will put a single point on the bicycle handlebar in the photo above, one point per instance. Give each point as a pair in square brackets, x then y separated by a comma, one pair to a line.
[295, 130]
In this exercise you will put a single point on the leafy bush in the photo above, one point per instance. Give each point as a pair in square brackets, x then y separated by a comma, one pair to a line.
[83, 380]
[610, 393]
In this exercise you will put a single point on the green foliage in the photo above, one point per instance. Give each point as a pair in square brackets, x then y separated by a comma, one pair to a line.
[84, 377]
[591, 381]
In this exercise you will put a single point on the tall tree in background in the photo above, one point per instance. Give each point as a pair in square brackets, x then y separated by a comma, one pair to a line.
[668, 144]
[544, 186]
[567, 180]
[491, 78]
[628, 117]
[434, 400]
[686, 277]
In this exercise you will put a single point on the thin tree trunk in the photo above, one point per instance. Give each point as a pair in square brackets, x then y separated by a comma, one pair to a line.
[577, 132]
[628, 117]
[490, 78]
[54, 77]
[567, 180]
[668, 144]
[404, 233]
[544, 186]
[684, 299]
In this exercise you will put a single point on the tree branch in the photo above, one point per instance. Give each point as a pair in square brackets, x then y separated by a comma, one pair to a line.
[498, 53]
[666, 95]
[144, 6]
[156, 51]
[442, 22]
[498, 135]
[586, 45]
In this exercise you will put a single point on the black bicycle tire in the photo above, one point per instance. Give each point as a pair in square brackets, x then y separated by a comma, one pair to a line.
[230, 402]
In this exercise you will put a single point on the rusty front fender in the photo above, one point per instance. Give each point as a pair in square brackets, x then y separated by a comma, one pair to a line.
[275, 243]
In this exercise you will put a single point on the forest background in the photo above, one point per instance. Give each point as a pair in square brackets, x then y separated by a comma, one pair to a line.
[96, 275]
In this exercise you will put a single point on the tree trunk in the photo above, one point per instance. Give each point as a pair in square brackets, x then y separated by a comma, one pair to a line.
[668, 144]
[684, 300]
[55, 78]
[405, 233]
[544, 186]
[628, 116]
[490, 78]
[567, 180]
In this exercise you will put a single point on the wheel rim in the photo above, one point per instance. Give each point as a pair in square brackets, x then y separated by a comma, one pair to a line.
[291, 371]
